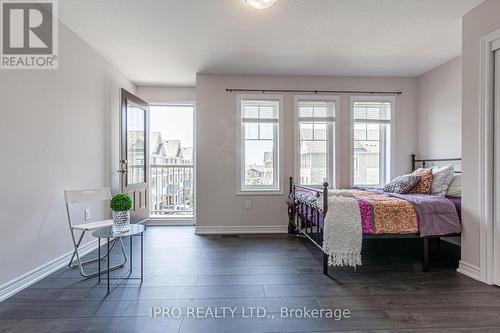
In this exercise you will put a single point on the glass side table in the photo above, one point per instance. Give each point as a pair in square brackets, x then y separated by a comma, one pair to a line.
[135, 230]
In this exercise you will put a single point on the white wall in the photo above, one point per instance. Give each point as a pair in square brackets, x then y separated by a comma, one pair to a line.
[156, 94]
[59, 130]
[440, 111]
[217, 203]
[476, 24]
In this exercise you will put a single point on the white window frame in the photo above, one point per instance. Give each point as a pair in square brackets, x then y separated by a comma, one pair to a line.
[333, 139]
[392, 122]
[278, 173]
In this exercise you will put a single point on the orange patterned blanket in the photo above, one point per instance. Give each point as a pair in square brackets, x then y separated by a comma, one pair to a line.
[390, 215]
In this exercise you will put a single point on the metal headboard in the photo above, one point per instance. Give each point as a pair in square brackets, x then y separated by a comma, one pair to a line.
[433, 161]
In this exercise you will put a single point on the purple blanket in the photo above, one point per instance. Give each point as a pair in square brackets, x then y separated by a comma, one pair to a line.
[436, 215]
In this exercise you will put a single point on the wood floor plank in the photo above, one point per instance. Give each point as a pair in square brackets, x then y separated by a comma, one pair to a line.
[139, 293]
[271, 305]
[469, 317]
[411, 301]
[62, 309]
[362, 319]
[97, 325]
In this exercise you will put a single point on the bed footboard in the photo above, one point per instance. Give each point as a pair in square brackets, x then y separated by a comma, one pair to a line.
[307, 208]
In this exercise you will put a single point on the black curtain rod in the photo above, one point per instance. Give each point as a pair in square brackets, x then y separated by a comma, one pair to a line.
[316, 91]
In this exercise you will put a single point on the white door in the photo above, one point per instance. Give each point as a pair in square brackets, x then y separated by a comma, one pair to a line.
[496, 189]
[134, 159]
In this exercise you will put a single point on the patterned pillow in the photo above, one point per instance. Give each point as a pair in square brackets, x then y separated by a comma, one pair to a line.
[402, 184]
[425, 184]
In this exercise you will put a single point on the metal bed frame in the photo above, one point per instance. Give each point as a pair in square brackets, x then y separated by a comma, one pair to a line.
[304, 216]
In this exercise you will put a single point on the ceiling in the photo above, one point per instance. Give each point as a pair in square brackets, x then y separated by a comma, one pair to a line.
[166, 42]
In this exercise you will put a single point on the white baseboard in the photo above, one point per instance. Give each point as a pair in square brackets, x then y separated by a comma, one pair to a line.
[469, 270]
[170, 222]
[254, 229]
[24, 281]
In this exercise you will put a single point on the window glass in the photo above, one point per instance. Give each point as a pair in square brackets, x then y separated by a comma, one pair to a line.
[371, 142]
[316, 120]
[260, 127]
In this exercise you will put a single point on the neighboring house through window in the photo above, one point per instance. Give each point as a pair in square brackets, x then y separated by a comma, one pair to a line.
[371, 140]
[260, 122]
[315, 139]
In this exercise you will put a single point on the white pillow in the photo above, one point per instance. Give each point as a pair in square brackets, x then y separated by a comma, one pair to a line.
[441, 179]
[455, 188]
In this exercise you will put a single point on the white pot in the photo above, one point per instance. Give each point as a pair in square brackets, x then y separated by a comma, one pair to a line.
[121, 221]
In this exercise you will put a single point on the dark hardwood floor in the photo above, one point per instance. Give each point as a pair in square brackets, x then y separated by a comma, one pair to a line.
[389, 293]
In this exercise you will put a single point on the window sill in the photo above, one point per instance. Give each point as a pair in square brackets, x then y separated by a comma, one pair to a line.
[260, 192]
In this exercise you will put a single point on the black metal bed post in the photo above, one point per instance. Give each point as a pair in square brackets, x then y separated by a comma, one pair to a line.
[412, 162]
[291, 208]
[425, 262]
[325, 210]
[325, 198]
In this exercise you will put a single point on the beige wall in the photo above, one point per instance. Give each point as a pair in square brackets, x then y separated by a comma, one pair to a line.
[153, 94]
[217, 202]
[440, 111]
[59, 130]
[476, 24]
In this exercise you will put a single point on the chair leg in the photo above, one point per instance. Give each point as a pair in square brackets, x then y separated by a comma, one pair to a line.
[71, 265]
[74, 252]
[81, 263]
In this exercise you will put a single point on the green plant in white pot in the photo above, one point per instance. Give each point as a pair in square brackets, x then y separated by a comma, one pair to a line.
[121, 204]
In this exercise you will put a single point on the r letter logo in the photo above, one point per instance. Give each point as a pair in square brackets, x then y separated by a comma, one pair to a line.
[29, 35]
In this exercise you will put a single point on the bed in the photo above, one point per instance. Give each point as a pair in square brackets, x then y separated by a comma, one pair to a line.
[422, 216]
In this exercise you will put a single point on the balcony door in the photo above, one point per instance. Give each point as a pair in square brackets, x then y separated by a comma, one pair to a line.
[134, 162]
[172, 182]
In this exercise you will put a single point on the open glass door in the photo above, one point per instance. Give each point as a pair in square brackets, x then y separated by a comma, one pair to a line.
[134, 164]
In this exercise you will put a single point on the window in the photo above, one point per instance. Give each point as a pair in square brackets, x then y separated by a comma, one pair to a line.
[260, 124]
[371, 143]
[315, 140]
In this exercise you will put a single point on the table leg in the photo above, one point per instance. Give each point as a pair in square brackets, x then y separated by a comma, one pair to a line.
[130, 254]
[99, 259]
[142, 257]
[108, 260]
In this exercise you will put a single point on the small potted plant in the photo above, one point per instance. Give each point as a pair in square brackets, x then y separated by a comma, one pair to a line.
[120, 205]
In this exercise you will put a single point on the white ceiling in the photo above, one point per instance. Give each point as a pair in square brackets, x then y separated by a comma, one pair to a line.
[169, 41]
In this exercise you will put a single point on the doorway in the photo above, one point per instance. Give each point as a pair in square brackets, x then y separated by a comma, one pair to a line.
[489, 163]
[172, 166]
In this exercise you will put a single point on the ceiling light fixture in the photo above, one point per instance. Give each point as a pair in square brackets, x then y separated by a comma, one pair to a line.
[261, 4]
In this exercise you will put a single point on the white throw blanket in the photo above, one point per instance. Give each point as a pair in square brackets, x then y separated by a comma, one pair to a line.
[342, 235]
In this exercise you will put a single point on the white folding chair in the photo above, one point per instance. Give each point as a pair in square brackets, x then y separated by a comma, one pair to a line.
[84, 196]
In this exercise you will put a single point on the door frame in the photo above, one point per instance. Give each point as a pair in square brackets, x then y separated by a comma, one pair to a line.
[125, 97]
[488, 217]
[180, 221]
